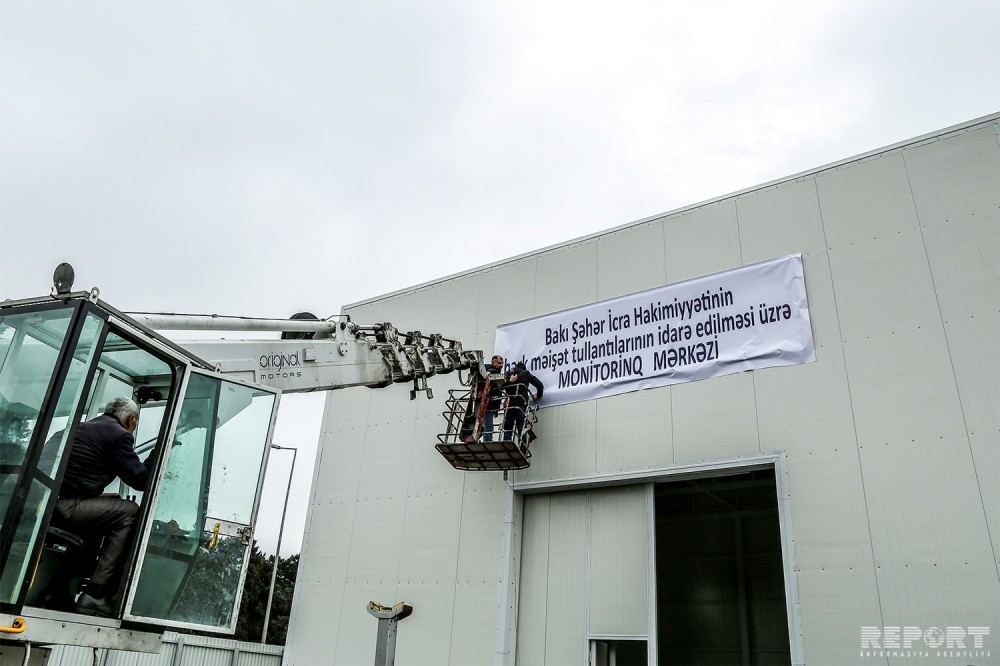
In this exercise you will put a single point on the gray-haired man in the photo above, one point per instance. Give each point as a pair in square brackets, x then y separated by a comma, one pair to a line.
[103, 449]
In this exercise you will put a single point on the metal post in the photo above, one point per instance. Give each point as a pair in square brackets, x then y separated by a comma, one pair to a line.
[388, 616]
[277, 548]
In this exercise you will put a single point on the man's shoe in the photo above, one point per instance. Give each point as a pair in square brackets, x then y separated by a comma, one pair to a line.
[89, 605]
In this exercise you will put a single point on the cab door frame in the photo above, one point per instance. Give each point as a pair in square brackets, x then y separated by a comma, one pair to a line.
[129, 612]
[29, 465]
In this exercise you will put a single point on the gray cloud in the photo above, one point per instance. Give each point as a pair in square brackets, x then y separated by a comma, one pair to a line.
[334, 151]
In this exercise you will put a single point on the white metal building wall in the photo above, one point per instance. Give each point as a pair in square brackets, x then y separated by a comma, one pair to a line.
[892, 438]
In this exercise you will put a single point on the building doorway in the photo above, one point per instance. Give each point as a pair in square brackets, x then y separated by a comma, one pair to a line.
[720, 588]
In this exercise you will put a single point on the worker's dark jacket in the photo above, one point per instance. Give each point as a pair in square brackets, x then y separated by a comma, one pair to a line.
[102, 451]
[518, 390]
[495, 393]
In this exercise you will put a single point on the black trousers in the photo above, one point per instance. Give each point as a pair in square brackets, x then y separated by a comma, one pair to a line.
[112, 518]
[513, 422]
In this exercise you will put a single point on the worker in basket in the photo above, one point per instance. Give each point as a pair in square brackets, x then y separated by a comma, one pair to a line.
[494, 396]
[516, 388]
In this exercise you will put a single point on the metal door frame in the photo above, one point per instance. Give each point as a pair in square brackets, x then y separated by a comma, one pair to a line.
[506, 643]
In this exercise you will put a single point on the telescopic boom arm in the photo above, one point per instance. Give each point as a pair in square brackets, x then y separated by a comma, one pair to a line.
[322, 355]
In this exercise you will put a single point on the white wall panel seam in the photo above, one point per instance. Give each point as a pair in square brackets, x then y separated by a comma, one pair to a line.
[673, 424]
[510, 579]
[739, 229]
[587, 576]
[850, 396]
[304, 548]
[350, 537]
[753, 375]
[756, 412]
[652, 626]
[951, 363]
[793, 605]
[534, 294]
[458, 553]
[548, 565]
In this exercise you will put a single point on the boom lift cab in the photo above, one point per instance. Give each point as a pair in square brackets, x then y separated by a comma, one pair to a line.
[61, 361]
[207, 425]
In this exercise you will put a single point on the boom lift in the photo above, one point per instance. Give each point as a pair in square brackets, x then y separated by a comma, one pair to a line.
[207, 412]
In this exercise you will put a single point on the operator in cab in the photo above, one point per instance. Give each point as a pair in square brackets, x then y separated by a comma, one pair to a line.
[104, 448]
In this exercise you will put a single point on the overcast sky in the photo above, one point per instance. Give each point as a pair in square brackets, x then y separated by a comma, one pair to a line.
[262, 158]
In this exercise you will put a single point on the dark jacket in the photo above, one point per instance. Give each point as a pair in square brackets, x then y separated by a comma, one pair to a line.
[518, 389]
[495, 392]
[102, 450]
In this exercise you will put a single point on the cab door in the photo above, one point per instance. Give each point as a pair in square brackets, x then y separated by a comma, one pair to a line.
[196, 544]
[48, 354]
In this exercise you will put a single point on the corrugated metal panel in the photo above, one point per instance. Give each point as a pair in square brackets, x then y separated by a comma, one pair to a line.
[394, 504]
[195, 651]
[836, 570]
[833, 556]
[482, 512]
[406, 312]
[619, 552]
[702, 241]
[474, 632]
[634, 431]
[355, 644]
[427, 471]
[430, 535]
[327, 542]
[449, 308]
[71, 655]
[369, 313]
[425, 636]
[711, 419]
[323, 564]
[566, 278]
[258, 659]
[567, 442]
[385, 466]
[714, 419]
[783, 220]
[343, 438]
[197, 655]
[926, 518]
[631, 260]
[452, 312]
[566, 602]
[534, 584]
[955, 187]
[506, 294]
[376, 543]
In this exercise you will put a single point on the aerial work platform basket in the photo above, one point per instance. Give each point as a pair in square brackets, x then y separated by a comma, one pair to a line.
[488, 432]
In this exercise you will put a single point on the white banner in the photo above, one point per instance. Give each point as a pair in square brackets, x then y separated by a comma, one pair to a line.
[748, 318]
